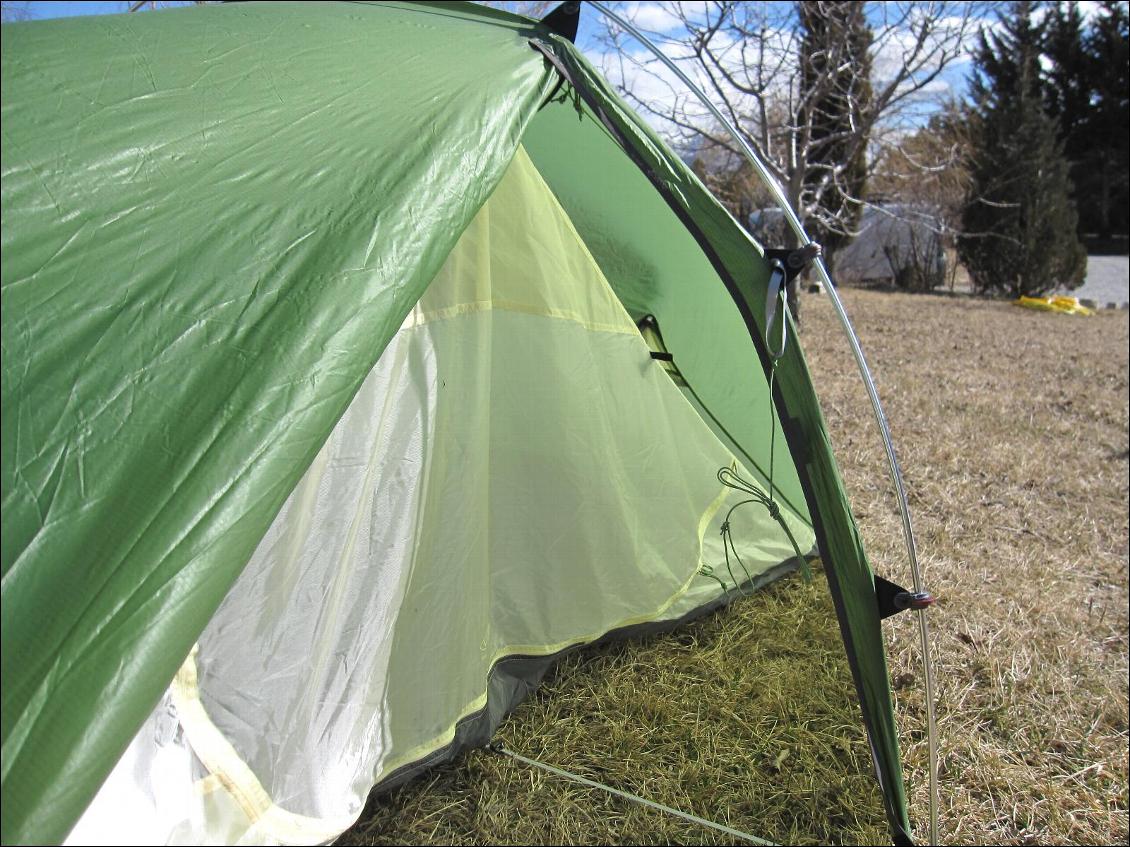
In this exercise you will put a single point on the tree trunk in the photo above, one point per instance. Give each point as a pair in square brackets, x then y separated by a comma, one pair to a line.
[1104, 197]
[792, 289]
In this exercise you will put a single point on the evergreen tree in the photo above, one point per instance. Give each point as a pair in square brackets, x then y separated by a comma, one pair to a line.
[1085, 90]
[836, 77]
[1019, 228]
[1108, 43]
[1069, 81]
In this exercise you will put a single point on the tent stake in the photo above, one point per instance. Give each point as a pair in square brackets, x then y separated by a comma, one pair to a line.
[864, 371]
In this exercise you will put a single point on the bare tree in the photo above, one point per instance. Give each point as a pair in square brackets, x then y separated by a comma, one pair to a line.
[927, 175]
[780, 91]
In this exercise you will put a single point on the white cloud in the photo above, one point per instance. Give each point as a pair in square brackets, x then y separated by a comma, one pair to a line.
[638, 72]
[652, 16]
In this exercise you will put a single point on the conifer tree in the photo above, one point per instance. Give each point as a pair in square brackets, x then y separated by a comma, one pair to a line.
[1019, 229]
[835, 58]
[1085, 90]
[1108, 44]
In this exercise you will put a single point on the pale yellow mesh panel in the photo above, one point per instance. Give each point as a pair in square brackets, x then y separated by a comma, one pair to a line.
[521, 236]
[516, 476]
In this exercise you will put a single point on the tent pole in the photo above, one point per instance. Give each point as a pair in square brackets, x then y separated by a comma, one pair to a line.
[864, 371]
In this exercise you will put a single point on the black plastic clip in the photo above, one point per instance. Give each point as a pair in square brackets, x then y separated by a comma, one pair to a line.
[564, 20]
[795, 261]
[893, 598]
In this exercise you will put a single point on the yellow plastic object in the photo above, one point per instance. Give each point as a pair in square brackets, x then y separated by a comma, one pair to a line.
[1067, 305]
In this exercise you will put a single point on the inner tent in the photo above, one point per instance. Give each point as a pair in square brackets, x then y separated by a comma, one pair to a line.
[516, 477]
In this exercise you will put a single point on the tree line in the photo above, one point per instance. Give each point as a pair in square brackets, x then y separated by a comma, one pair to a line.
[1047, 125]
[841, 100]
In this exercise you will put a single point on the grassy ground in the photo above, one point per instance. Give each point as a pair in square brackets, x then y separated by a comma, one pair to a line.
[744, 717]
[1012, 431]
[1011, 427]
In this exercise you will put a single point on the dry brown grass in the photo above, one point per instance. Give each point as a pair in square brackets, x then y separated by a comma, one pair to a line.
[1011, 426]
[1012, 431]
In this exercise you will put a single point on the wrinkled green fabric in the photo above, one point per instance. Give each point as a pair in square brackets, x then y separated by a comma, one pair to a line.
[729, 376]
[656, 267]
[213, 221]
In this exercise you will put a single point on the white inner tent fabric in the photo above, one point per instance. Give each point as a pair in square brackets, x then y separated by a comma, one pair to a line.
[516, 476]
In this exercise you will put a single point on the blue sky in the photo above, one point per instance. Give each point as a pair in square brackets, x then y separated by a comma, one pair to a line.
[71, 9]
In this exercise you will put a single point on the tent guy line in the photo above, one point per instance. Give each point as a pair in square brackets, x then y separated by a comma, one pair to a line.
[498, 747]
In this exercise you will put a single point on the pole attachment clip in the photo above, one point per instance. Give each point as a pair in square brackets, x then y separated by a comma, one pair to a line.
[893, 598]
[795, 262]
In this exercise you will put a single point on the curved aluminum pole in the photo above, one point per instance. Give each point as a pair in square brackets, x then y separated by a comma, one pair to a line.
[865, 372]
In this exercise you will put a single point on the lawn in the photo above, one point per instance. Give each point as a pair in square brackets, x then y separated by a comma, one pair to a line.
[1011, 426]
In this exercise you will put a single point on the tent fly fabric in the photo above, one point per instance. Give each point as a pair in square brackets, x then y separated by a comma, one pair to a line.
[328, 422]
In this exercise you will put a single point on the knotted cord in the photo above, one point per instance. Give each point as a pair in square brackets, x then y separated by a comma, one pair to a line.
[775, 307]
[729, 477]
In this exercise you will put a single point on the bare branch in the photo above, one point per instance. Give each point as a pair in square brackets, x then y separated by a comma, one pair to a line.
[790, 105]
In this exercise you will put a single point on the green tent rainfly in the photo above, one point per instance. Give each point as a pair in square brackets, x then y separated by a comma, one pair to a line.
[328, 422]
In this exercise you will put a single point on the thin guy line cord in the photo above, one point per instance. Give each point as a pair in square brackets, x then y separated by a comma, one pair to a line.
[643, 801]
